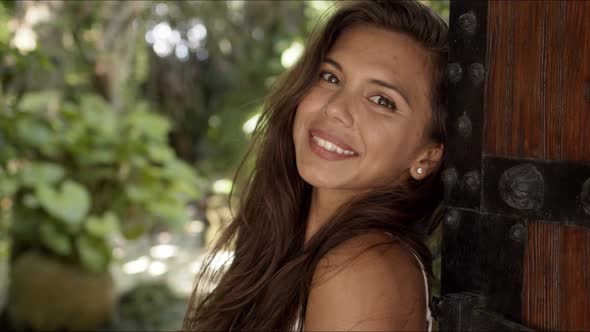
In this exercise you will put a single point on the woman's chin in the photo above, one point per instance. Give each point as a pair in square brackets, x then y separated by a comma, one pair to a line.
[325, 181]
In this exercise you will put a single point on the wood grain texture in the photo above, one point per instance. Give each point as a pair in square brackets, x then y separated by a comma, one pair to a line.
[556, 288]
[538, 76]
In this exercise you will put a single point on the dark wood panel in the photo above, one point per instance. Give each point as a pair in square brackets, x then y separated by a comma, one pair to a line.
[556, 275]
[538, 76]
[500, 83]
[529, 32]
[541, 277]
[576, 63]
[575, 287]
[553, 117]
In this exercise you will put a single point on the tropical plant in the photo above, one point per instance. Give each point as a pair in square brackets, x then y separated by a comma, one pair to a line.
[79, 172]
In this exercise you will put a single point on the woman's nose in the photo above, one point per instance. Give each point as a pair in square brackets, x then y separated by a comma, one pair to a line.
[339, 108]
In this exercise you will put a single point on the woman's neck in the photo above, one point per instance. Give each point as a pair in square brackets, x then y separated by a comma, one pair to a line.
[324, 202]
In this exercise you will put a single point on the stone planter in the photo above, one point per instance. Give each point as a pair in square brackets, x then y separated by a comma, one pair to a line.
[46, 294]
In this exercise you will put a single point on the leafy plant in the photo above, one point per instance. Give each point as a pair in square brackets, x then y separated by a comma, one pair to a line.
[79, 172]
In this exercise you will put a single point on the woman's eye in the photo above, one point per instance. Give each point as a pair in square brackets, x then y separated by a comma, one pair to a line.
[382, 101]
[329, 77]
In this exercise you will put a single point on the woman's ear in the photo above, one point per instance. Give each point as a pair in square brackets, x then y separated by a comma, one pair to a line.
[428, 158]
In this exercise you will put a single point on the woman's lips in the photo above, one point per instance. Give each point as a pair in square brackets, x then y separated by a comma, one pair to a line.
[327, 154]
[332, 139]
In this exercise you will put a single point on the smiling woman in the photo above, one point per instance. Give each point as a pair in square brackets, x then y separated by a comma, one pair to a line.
[330, 231]
[355, 114]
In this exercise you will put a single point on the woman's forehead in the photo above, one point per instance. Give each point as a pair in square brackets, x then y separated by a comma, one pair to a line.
[379, 46]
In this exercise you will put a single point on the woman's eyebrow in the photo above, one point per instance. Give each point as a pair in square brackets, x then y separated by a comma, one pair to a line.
[374, 81]
[333, 63]
[392, 87]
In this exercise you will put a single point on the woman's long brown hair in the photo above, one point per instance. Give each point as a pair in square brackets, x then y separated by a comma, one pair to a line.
[267, 282]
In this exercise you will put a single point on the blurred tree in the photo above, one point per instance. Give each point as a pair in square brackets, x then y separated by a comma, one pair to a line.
[91, 44]
[217, 88]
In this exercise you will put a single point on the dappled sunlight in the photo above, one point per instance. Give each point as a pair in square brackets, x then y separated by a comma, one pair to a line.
[291, 54]
[249, 126]
[165, 40]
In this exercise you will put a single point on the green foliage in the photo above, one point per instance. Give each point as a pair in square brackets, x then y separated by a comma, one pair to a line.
[79, 172]
[69, 203]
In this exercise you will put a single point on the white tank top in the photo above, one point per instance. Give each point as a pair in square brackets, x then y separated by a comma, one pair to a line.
[428, 313]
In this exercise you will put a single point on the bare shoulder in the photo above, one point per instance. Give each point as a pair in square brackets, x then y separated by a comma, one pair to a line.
[361, 286]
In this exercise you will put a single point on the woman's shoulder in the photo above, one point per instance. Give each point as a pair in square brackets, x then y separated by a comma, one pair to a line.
[367, 282]
[378, 251]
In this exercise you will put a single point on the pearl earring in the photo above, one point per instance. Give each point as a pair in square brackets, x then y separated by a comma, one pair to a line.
[419, 170]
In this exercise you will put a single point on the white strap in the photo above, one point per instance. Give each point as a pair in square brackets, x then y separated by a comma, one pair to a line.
[428, 313]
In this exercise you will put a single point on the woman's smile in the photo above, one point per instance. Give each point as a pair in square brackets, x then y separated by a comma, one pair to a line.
[329, 151]
[329, 147]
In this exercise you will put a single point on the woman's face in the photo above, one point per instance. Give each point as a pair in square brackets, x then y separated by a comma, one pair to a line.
[362, 122]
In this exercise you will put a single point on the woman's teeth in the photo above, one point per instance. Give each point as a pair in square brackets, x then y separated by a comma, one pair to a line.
[331, 147]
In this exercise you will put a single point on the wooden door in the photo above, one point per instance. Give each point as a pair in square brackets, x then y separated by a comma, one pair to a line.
[516, 237]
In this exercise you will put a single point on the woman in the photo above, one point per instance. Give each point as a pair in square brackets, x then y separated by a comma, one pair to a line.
[330, 231]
